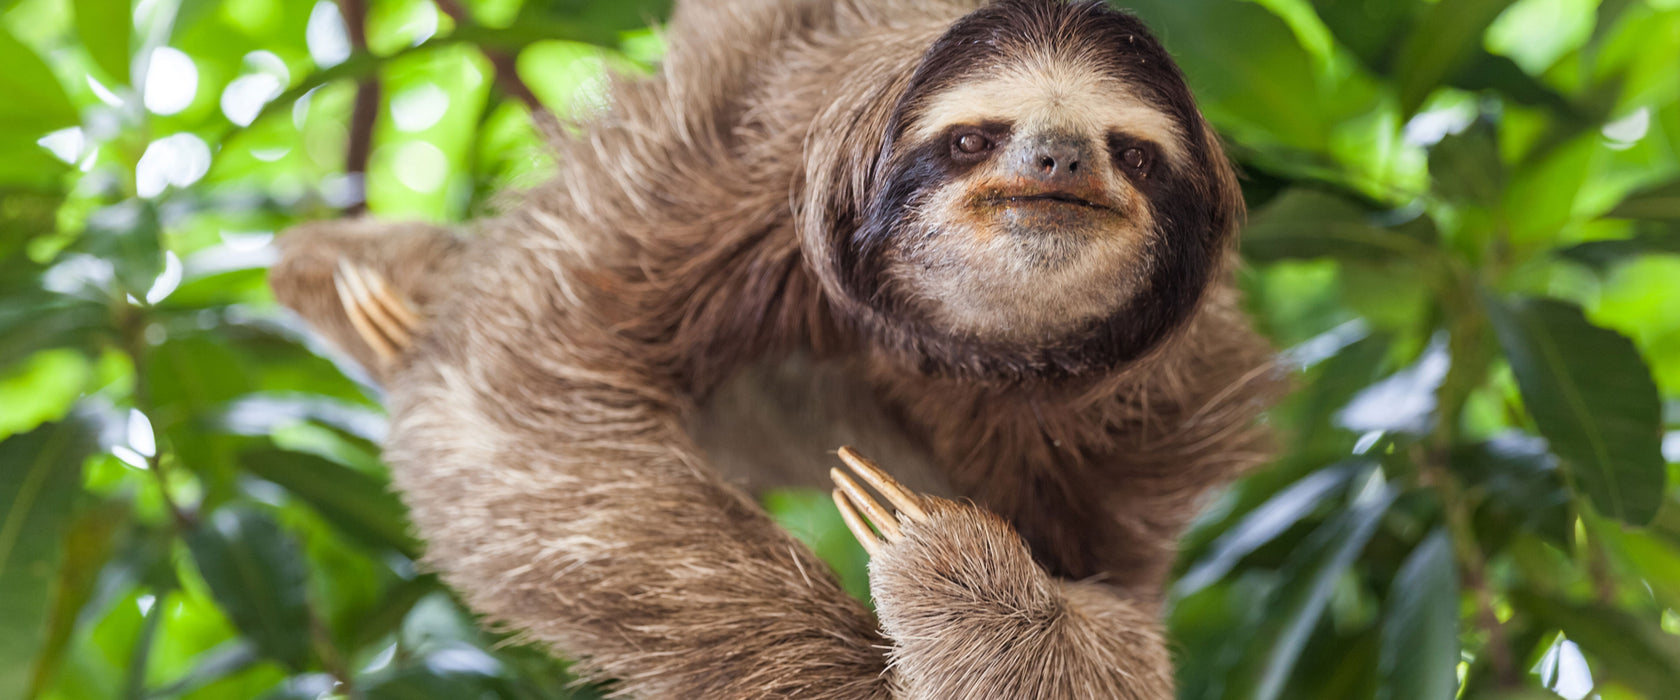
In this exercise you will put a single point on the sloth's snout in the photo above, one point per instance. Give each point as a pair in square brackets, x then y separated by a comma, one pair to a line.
[1056, 162]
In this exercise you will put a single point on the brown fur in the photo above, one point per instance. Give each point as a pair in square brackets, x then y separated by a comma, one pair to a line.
[543, 423]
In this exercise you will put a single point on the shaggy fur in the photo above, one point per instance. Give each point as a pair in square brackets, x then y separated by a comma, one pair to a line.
[709, 232]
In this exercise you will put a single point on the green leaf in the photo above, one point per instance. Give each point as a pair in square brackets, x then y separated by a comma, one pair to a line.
[220, 662]
[1592, 398]
[360, 505]
[1654, 560]
[421, 682]
[1466, 166]
[1521, 490]
[1420, 628]
[129, 236]
[1628, 648]
[24, 214]
[104, 29]
[257, 576]
[1279, 513]
[38, 320]
[1656, 202]
[40, 475]
[1486, 71]
[1372, 30]
[1308, 580]
[1439, 44]
[88, 545]
[1602, 255]
[1247, 69]
[1308, 223]
[34, 102]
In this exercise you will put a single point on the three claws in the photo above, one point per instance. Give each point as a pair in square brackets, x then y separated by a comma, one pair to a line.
[384, 320]
[860, 510]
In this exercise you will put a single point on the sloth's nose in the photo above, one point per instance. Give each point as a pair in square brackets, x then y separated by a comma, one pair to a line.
[1057, 162]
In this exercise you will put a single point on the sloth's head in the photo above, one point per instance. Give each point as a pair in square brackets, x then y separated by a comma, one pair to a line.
[1046, 197]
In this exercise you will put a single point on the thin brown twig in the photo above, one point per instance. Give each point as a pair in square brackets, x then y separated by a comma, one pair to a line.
[507, 72]
[365, 113]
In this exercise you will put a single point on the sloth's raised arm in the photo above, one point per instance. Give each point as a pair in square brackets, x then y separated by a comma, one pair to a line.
[544, 460]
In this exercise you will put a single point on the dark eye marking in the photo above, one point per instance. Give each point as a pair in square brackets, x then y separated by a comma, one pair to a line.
[1133, 156]
[972, 143]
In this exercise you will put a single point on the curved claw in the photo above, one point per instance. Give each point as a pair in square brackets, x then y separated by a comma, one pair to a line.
[861, 511]
[856, 524]
[383, 320]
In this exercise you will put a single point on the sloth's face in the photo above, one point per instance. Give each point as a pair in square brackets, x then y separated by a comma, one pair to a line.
[1046, 199]
[1039, 220]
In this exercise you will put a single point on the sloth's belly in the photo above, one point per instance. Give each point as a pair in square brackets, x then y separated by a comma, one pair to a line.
[776, 425]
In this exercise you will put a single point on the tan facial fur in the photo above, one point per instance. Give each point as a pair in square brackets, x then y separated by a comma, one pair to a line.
[985, 266]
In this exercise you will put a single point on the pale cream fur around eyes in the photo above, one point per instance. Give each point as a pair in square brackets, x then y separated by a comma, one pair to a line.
[1050, 93]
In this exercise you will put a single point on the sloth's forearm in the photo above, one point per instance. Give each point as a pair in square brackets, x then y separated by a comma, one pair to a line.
[969, 610]
[604, 537]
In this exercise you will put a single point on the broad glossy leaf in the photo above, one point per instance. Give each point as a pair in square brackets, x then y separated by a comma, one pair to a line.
[1439, 44]
[88, 545]
[1271, 519]
[40, 475]
[1246, 67]
[218, 663]
[1467, 168]
[1602, 255]
[1628, 648]
[1654, 560]
[1486, 71]
[1592, 398]
[24, 214]
[362, 506]
[38, 320]
[1521, 490]
[1308, 223]
[430, 681]
[1308, 581]
[257, 576]
[1372, 30]
[104, 29]
[34, 102]
[1420, 651]
[1655, 202]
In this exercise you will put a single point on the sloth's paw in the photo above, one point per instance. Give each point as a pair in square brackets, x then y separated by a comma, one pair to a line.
[938, 567]
[383, 319]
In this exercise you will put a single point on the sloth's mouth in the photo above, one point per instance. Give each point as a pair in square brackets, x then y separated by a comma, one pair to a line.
[1053, 198]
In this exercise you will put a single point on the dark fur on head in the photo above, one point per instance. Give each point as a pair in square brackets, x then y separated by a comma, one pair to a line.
[1198, 207]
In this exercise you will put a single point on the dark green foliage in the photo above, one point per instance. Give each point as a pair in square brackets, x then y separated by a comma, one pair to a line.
[1464, 222]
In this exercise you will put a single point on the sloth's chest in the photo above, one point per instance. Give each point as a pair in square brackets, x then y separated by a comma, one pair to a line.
[778, 424]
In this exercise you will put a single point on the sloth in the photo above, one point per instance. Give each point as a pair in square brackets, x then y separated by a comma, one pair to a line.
[991, 245]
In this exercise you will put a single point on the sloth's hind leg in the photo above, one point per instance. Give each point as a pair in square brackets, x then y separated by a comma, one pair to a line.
[970, 614]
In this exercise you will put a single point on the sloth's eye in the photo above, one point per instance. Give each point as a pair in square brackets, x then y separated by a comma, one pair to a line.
[972, 144]
[1135, 160]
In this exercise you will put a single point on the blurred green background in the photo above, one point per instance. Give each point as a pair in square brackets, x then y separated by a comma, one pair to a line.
[1465, 215]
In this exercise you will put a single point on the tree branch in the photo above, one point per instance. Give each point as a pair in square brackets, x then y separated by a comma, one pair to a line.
[366, 111]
